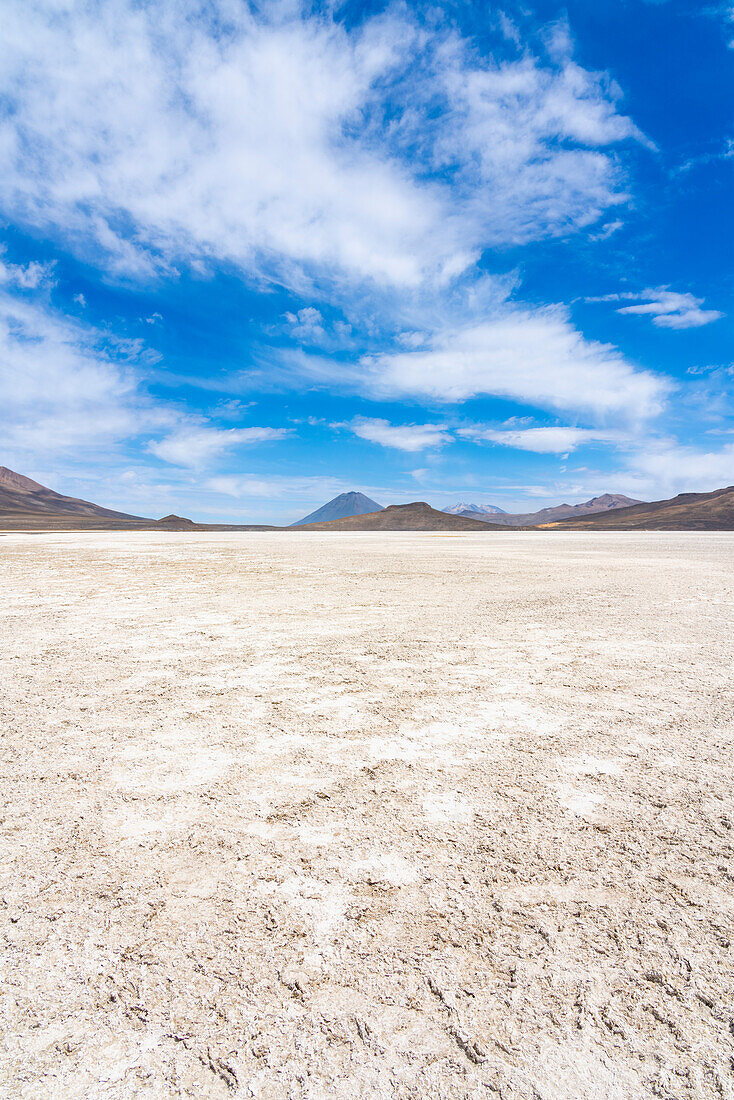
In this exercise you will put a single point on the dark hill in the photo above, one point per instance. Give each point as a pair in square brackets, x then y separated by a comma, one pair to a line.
[686, 512]
[20, 494]
[26, 505]
[177, 523]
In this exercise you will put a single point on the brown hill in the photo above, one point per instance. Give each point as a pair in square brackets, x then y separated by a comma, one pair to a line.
[26, 505]
[177, 523]
[403, 517]
[686, 512]
[21, 494]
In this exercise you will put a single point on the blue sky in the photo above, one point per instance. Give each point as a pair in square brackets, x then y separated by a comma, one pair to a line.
[256, 255]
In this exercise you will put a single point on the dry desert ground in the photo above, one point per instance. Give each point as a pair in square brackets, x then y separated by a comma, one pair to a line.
[367, 815]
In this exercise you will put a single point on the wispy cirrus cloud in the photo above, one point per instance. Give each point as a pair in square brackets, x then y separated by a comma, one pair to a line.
[545, 440]
[534, 357]
[277, 486]
[669, 309]
[728, 13]
[197, 445]
[665, 466]
[144, 136]
[553, 439]
[400, 437]
[665, 307]
[65, 386]
[307, 325]
[549, 440]
[724, 153]
[28, 276]
[68, 388]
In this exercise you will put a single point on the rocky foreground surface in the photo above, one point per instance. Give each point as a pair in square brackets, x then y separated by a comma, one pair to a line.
[420, 815]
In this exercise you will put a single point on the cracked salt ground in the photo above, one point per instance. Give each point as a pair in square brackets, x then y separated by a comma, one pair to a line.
[447, 807]
[383, 869]
[320, 905]
[389, 816]
[593, 765]
[582, 803]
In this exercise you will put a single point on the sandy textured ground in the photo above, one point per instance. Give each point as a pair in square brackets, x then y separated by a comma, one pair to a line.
[367, 816]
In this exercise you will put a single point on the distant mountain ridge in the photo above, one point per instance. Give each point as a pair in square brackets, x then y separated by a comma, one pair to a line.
[341, 507]
[685, 512]
[605, 503]
[463, 509]
[26, 505]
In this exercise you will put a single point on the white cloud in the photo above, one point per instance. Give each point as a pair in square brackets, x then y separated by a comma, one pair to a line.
[526, 137]
[652, 468]
[28, 276]
[669, 309]
[401, 437]
[537, 358]
[66, 386]
[729, 17]
[231, 409]
[148, 138]
[509, 28]
[306, 325]
[607, 231]
[551, 440]
[195, 445]
[304, 490]
[669, 467]
[725, 153]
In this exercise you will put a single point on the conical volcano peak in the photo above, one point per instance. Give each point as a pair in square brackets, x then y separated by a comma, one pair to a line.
[341, 507]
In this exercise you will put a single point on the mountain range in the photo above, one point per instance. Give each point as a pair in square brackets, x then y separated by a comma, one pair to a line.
[26, 505]
[605, 503]
[470, 510]
[689, 511]
[686, 512]
[418, 516]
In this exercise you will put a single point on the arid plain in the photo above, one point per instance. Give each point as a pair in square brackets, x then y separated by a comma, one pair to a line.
[367, 815]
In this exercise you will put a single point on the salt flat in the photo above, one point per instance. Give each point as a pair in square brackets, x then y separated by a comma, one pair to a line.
[380, 815]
